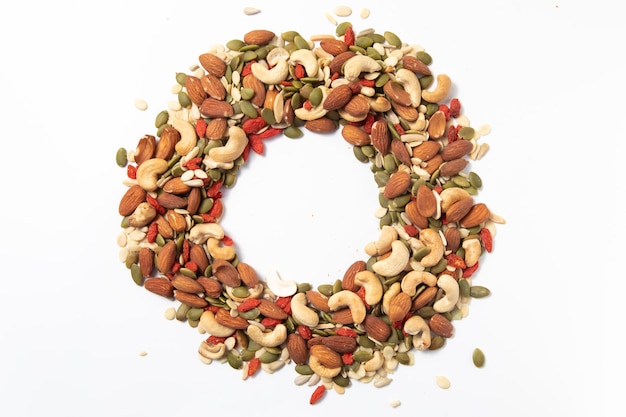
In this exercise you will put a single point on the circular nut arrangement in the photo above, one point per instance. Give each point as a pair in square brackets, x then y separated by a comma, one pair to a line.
[415, 278]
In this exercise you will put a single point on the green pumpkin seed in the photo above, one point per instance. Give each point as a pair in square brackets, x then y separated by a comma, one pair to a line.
[358, 50]
[315, 97]
[374, 54]
[194, 313]
[475, 180]
[420, 253]
[273, 350]
[269, 357]
[161, 118]
[478, 357]
[181, 77]
[358, 153]
[403, 358]
[337, 286]
[424, 57]
[246, 93]
[135, 273]
[290, 35]
[301, 43]
[461, 181]
[241, 291]
[392, 39]
[247, 354]
[362, 356]
[183, 99]
[268, 116]
[234, 360]
[426, 81]
[121, 158]
[304, 287]
[341, 28]
[304, 369]
[369, 151]
[187, 272]
[477, 291]
[250, 314]
[293, 132]
[341, 380]
[235, 44]
[364, 41]
[467, 132]
[365, 341]
[426, 312]
[464, 287]
[325, 289]
[381, 80]
[205, 205]
[437, 342]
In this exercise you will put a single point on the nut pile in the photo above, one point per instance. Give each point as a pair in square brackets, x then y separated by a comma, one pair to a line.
[416, 277]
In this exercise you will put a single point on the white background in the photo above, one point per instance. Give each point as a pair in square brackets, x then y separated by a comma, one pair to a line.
[548, 76]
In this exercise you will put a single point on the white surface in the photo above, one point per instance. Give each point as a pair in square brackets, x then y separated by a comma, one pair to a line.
[547, 76]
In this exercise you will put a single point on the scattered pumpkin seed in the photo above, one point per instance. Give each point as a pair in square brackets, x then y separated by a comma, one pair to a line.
[478, 357]
[121, 158]
[477, 291]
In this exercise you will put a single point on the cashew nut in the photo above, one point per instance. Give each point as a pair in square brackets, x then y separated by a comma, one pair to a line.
[254, 292]
[432, 240]
[414, 278]
[315, 112]
[346, 298]
[187, 136]
[212, 352]
[143, 214]
[272, 338]
[394, 263]
[451, 294]
[201, 232]
[417, 327]
[217, 251]
[440, 91]
[473, 251]
[358, 64]
[280, 287]
[388, 234]
[411, 85]
[209, 325]
[272, 76]
[307, 58]
[301, 313]
[451, 195]
[372, 285]
[321, 370]
[149, 171]
[275, 55]
[380, 104]
[391, 292]
[234, 147]
[375, 363]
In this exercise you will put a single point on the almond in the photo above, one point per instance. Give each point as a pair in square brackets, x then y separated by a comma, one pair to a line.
[163, 227]
[453, 238]
[272, 310]
[224, 318]
[171, 201]
[399, 150]
[247, 274]
[212, 108]
[354, 135]
[336, 65]
[193, 200]
[424, 298]
[343, 316]
[408, 113]
[433, 164]
[426, 201]
[441, 325]
[159, 286]
[337, 97]
[131, 199]
[396, 93]
[327, 357]
[478, 214]
[426, 150]
[399, 306]
[452, 167]
[333, 46]
[321, 125]
[176, 220]
[457, 149]
[198, 256]
[167, 256]
[297, 348]
[412, 63]
[437, 125]
[166, 146]
[213, 87]
[258, 37]
[414, 215]
[347, 283]
[216, 128]
[146, 261]
[357, 107]
[318, 300]
[340, 344]
[192, 300]
[212, 287]
[195, 90]
[380, 136]
[213, 64]
[376, 328]
[226, 273]
[459, 209]
[398, 184]
[252, 82]
[175, 185]
[184, 283]
[145, 149]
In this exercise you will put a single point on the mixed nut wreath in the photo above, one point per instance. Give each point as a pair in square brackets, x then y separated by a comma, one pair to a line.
[416, 278]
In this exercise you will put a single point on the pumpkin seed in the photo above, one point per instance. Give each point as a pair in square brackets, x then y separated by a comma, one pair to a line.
[301, 43]
[358, 153]
[194, 313]
[477, 291]
[426, 81]
[392, 39]
[181, 77]
[403, 358]
[235, 44]
[478, 357]
[183, 99]
[475, 180]
[467, 132]
[341, 28]
[304, 369]
[161, 118]
[181, 312]
[247, 354]
[341, 380]
[251, 314]
[437, 342]
[234, 360]
[325, 289]
[121, 158]
[293, 132]
[464, 287]
[205, 205]
[424, 57]
[290, 35]
[268, 116]
[365, 341]
[364, 41]
[420, 253]
[362, 356]
[136, 274]
[241, 291]
[315, 97]
[269, 357]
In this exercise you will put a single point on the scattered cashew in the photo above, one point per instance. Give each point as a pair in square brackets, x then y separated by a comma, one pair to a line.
[358, 64]
[187, 136]
[372, 286]
[149, 171]
[217, 251]
[307, 58]
[440, 91]
[346, 298]
[473, 251]
[209, 325]
[280, 287]
[388, 234]
[451, 294]
[272, 76]
[272, 338]
[315, 112]
[432, 240]
[321, 370]
[391, 292]
[301, 313]
[417, 327]
[394, 263]
[254, 292]
[212, 352]
[414, 278]
[375, 363]
[411, 85]
[201, 232]
[234, 147]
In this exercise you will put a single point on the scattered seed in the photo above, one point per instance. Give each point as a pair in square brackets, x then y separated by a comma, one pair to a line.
[170, 313]
[365, 13]
[251, 11]
[478, 357]
[331, 19]
[442, 382]
[140, 104]
[343, 11]
[395, 403]
[143, 353]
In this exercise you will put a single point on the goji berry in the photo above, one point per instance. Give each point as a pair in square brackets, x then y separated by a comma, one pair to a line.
[307, 105]
[131, 172]
[399, 129]
[215, 340]
[216, 210]
[191, 265]
[270, 322]
[411, 230]
[247, 69]
[213, 309]
[487, 239]
[154, 203]
[445, 110]
[455, 107]
[214, 190]
[367, 83]
[207, 218]
[345, 331]
[317, 394]
[305, 332]
[186, 250]
[248, 304]
[286, 83]
[469, 271]
[347, 358]
[201, 126]
[227, 241]
[369, 121]
[299, 71]
[153, 231]
[282, 302]
[453, 133]
[348, 36]
[253, 366]
[176, 267]
[455, 260]
[361, 294]
[256, 144]
[270, 133]
[193, 163]
[253, 125]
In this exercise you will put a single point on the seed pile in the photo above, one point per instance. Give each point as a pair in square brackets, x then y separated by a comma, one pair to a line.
[416, 277]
